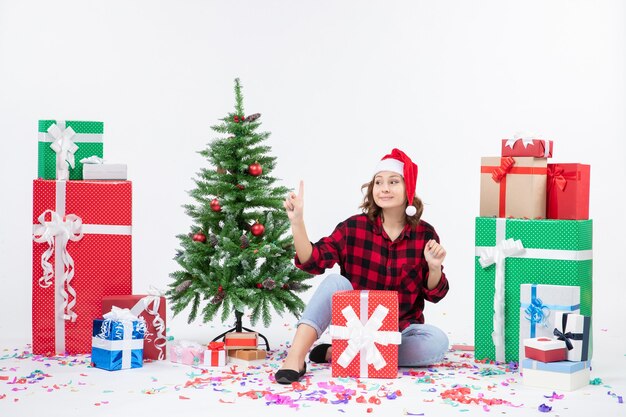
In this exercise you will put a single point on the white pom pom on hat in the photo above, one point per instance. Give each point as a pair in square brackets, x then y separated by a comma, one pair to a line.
[398, 162]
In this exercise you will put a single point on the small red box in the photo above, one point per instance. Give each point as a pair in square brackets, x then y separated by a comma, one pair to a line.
[538, 148]
[568, 191]
[241, 340]
[355, 312]
[74, 269]
[152, 309]
[544, 349]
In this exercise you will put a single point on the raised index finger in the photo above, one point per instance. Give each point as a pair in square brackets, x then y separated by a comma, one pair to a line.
[301, 189]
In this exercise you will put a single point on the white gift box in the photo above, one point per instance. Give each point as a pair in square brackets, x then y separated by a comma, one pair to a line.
[538, 306]
[576, 329]
[556, 376]
[104, 172]
[214, 357]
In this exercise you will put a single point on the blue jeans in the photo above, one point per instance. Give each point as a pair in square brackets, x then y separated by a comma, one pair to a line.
[422, 344]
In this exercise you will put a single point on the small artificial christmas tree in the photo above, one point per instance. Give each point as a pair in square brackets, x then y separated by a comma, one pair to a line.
[239, 254]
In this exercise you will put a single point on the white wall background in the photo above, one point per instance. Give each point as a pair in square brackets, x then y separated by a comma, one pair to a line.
[339, 84]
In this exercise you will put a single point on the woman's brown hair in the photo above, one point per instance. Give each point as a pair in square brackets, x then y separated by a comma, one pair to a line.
[372, 210]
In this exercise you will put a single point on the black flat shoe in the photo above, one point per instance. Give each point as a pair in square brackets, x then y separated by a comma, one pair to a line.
[318, 353]
[288, 376]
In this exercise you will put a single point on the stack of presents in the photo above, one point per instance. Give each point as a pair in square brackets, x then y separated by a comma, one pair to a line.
[533, 265]
[82, 299]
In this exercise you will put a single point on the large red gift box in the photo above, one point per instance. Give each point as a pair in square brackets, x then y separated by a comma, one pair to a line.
[568, 191]
[365, 334]
[152, 309]
[81, 253]
[539, 148]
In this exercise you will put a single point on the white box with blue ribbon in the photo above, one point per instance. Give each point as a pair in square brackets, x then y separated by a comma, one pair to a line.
[538, 307]
[556, 376]
[575, 331]
[117, 341]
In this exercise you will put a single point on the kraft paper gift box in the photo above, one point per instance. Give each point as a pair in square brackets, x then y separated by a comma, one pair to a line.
[71, 140]
[556, 376]
[186, 352]
[82, 252]
[374, 316]
[248, 354]
[538, 148]
[241, 340]
[215, 355]
[511, 252]
[575, 331]
[544, 349]
[540, 305]
[150, 308]
[513, 187]
[104, 171]
[117, 341]
[568, 191]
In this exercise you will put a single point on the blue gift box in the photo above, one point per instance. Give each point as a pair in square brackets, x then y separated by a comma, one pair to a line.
[117, 344]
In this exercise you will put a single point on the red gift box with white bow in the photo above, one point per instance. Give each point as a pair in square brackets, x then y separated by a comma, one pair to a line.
[82, 252]
[365, 336]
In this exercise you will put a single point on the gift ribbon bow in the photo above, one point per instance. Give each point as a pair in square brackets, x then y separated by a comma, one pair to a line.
[537, 312]
[63, 229]
[63, 145]
[505, 167]
[363, 337]
[557, 176]
[216, 346]
[526, 140]
[567, 337]
[497, 255]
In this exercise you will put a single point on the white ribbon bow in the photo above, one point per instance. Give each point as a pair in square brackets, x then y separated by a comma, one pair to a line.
[94, 159]
[64, 230]
[363, 337]
[524, 137]
[64, 147]
[497, 255]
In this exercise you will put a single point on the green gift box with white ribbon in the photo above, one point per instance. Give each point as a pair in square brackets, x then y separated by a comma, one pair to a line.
[62, 144]
[511, 252]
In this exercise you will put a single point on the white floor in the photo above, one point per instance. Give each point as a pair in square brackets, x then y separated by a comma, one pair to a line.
[68, 386]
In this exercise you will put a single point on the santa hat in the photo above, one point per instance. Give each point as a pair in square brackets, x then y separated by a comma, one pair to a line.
[398, 162]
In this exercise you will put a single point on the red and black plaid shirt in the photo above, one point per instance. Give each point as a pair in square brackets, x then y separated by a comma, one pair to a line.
[372, 261]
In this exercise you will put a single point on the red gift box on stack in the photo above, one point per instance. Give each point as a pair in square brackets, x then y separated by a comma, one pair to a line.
[522, 146]
[365, 334]
[152, 309]
[82, 251]
[568, 191]
[241, 340]
[545, 349]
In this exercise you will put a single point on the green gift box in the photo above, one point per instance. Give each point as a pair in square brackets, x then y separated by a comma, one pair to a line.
[76, 139]
[511, 252]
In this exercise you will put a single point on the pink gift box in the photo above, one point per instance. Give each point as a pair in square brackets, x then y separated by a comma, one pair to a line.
[186, 352]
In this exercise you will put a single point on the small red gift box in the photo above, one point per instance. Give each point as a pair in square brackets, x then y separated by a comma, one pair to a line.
[568, 191]
[215, 355]
[241, 340]
[365, 334]
[538, 148]
[82, 251]
[545, 349]
[152, 309]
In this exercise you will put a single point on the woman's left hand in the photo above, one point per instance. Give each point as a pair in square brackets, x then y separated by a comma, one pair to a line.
[434, 254]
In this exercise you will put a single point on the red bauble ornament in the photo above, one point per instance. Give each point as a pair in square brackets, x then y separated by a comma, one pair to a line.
[236, 119]
[259, 285]
[220, 289]
[215, 205]
[257, 229]
[241, 187]
[285, 286]
[199, 237]
[255, 169]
